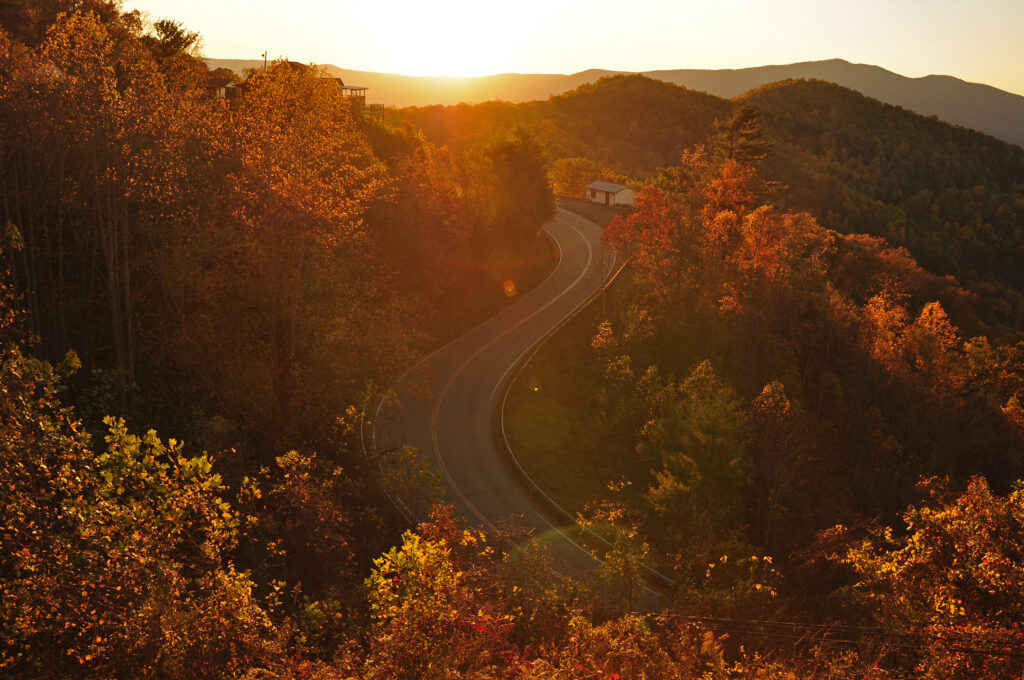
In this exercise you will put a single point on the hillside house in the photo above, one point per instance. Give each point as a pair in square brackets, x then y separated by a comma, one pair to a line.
[609, 193]
[355, 95]
[222, 88]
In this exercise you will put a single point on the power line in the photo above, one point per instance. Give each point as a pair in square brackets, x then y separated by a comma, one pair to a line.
[741, 627]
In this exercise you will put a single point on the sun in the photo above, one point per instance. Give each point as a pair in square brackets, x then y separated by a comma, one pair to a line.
[447, 37]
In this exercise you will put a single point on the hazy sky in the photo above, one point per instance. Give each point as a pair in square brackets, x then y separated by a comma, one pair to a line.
[980, 41]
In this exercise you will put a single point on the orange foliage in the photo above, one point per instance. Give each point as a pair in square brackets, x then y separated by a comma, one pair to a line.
[645, 236]
[955, 578]
[733, 188]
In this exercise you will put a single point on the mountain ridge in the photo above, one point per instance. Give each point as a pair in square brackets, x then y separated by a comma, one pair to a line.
[973, 105]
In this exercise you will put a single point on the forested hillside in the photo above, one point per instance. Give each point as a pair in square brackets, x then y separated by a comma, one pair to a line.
[199, 298]
[951, 196]
[238, 272]
[632, 123]
[757, 395]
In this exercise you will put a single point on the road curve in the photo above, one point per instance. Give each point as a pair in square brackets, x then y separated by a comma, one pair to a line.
[446, 403]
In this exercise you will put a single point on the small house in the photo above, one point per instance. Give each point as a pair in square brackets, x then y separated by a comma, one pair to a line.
[609, 193]
[354, 95]
[222, 88]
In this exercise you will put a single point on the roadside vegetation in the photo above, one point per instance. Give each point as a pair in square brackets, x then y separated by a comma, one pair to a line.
[755, 392]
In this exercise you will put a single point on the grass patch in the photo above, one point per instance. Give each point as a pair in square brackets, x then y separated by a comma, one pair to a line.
[559, 421]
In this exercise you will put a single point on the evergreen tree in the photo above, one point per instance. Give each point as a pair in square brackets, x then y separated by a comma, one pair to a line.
[740, 138]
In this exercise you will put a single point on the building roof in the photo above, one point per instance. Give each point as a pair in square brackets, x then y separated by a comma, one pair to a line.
[606, 186]
[296, 67]
[217, 83]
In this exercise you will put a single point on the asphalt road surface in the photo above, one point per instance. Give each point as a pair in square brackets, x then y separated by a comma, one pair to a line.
[447, 403]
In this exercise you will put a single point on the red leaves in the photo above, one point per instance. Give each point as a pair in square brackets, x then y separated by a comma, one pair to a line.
[646, 236]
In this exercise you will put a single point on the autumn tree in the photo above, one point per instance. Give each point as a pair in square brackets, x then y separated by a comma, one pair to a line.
[620, 580]
[570, 176]
[632, 647]
[28, 20]
[411, 480]
[524, 201]
[288, 310]
[433, 616]
[953, 579]
[697, 434]
[176, 51]
[781, 453]
[106, 169]
[298, 516]
[426, 227]
[115, 560]
[645, 237]
[170, 38]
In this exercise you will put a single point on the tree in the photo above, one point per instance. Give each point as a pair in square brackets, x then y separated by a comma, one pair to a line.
[169, 39]
[412, 481]
[95, 149]
[113, 561]
[523, 195]
[278, 303]
[28, 20]
[632, 647]
[732, 188]
[740, 138]
[698, 433]
[425, 226]
[301, 529]
[954, 579]
[781, 465]
[645, 237]
[570, 176]
[432, 616]
[620, 579]
[176, 51]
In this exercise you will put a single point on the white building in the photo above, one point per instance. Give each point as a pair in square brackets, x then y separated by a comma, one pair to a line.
[607, 193]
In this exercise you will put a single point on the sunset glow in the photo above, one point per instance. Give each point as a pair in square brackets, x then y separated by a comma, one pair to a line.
[976, 42]
[454, 37]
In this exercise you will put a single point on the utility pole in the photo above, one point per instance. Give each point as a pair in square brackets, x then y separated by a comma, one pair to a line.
[264, 55]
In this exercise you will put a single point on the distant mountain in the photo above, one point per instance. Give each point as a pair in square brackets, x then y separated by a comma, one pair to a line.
[972, 105]
[392, 89]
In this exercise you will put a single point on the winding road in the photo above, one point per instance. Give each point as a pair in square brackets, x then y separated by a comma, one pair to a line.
[446, 404]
